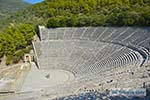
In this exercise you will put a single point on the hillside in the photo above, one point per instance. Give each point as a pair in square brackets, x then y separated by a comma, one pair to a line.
[87, 13]
[8, 7]
[68, 13]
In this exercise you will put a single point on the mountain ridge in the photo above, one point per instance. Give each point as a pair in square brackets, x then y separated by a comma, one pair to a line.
[7, 7]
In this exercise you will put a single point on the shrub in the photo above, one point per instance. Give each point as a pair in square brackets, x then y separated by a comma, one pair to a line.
[9, 59]
[17, 56]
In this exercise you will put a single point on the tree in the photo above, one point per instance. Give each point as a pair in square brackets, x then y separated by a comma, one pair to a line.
[17, 37]
[53, 22]
[28, 31]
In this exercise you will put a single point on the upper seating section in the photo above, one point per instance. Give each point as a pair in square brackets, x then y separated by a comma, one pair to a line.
[125, 35]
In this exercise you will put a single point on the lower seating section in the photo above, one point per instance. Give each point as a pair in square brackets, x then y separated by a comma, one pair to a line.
[84, 57]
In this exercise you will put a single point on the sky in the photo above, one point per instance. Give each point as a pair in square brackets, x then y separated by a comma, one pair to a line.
[33, 1]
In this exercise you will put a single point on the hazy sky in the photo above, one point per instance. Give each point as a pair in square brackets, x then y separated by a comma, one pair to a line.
[33, 1]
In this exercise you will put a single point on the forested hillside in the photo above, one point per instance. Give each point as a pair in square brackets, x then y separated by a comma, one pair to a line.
[8, 7]
[87, 13]
[68, 13]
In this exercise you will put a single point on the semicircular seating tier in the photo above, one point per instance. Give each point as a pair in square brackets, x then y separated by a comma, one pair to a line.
[88, 52]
